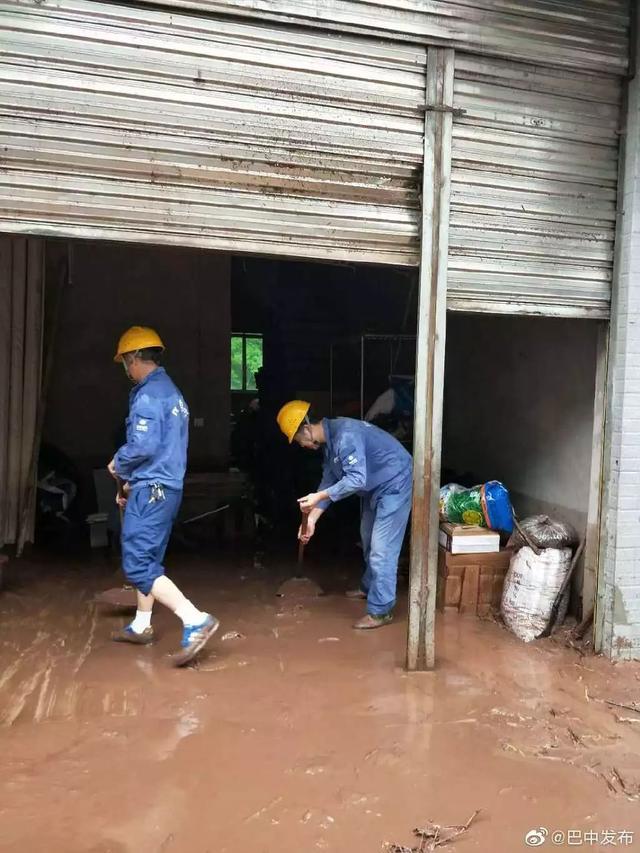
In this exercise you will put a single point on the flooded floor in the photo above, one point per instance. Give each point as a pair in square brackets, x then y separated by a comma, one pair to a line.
[296, 733]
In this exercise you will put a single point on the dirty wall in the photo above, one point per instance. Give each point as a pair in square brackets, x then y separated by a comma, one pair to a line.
[184, 294]
[519, 397]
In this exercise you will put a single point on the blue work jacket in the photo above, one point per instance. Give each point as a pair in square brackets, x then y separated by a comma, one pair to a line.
[360, 459]
[157, 434]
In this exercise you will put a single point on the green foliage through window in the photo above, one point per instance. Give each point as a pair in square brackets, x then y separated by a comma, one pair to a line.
[246, 360]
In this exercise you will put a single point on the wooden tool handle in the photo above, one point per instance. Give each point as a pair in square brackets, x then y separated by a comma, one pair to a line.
[525, 536]
[561, 592]
[120, 494]
[303, 530]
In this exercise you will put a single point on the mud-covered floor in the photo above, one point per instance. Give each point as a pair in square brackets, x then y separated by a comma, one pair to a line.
[299, 734]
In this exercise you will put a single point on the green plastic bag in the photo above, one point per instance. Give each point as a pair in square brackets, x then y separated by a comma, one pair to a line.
[462, 506]
[487, 505]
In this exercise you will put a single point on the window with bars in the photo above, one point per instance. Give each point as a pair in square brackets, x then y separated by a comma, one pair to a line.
[246, 360]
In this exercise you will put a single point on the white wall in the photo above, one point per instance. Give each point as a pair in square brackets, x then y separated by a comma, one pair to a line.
[519, 396]
[618, 612]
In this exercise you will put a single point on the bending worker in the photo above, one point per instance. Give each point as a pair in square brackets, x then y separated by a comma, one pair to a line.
[152, 466]
[359, 459]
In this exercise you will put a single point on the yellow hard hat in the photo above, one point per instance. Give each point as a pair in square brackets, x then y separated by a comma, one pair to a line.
[135, 338]
[291, 416]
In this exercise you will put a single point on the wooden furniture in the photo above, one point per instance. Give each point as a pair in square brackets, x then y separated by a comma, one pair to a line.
[471, 583]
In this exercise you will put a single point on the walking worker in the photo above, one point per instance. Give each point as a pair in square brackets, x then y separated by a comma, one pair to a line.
[152, 466]
[359, 459]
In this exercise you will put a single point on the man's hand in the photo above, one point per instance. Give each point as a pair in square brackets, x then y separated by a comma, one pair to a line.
[122, 495]
[311, 529]
[308, 503]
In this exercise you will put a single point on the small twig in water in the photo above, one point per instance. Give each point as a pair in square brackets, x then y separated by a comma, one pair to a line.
[622, 705]
[619, 779]
[610, 784]
[433, 835]
[438, 835]
[574, 737]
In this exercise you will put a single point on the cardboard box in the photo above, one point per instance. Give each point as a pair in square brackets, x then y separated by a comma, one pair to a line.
[466, 539]
[471, 583]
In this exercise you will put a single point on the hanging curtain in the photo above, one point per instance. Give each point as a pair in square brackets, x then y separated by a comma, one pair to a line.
[21, 328]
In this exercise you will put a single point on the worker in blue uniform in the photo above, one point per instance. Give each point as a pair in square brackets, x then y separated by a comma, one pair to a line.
[151, 466]
[359, 459]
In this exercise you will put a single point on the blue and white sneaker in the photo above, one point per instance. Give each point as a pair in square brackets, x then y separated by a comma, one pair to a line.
[194, 639]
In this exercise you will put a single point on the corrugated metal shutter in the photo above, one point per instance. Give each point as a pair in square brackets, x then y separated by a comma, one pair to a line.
[587, 34]
[533, 197]
[125, 123]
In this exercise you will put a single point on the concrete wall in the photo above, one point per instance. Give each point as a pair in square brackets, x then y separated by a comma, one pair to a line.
[519, 396]
[185, 295]
[618, 612]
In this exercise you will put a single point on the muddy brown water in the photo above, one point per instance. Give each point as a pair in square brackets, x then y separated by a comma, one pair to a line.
[299, 734]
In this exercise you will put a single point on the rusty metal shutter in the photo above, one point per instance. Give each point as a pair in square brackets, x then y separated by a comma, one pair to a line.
[129, 123]
[587, 34]
[533, 189]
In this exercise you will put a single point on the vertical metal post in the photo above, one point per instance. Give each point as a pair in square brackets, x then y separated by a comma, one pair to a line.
[592, 545]
[430, 358]
[361, 377]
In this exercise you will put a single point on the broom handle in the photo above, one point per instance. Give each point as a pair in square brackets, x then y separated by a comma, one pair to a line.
[303, 530]
[527, 539]
[555, 609]
[120, 485]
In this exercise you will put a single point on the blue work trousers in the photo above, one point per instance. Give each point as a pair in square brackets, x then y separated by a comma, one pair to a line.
[382, 528]
[145, 535]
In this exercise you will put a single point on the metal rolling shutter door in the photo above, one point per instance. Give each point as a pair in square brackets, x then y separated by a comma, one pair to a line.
[533, 198]
[125, 123]
[587, 34]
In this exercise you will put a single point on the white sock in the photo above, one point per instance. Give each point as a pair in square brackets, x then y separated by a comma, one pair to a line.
[189, 614]
[141, 622]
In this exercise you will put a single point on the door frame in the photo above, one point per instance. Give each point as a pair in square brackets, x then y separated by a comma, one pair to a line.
[430, 351]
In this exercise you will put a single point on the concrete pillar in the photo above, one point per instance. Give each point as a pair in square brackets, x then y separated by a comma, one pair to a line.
[617, 625]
